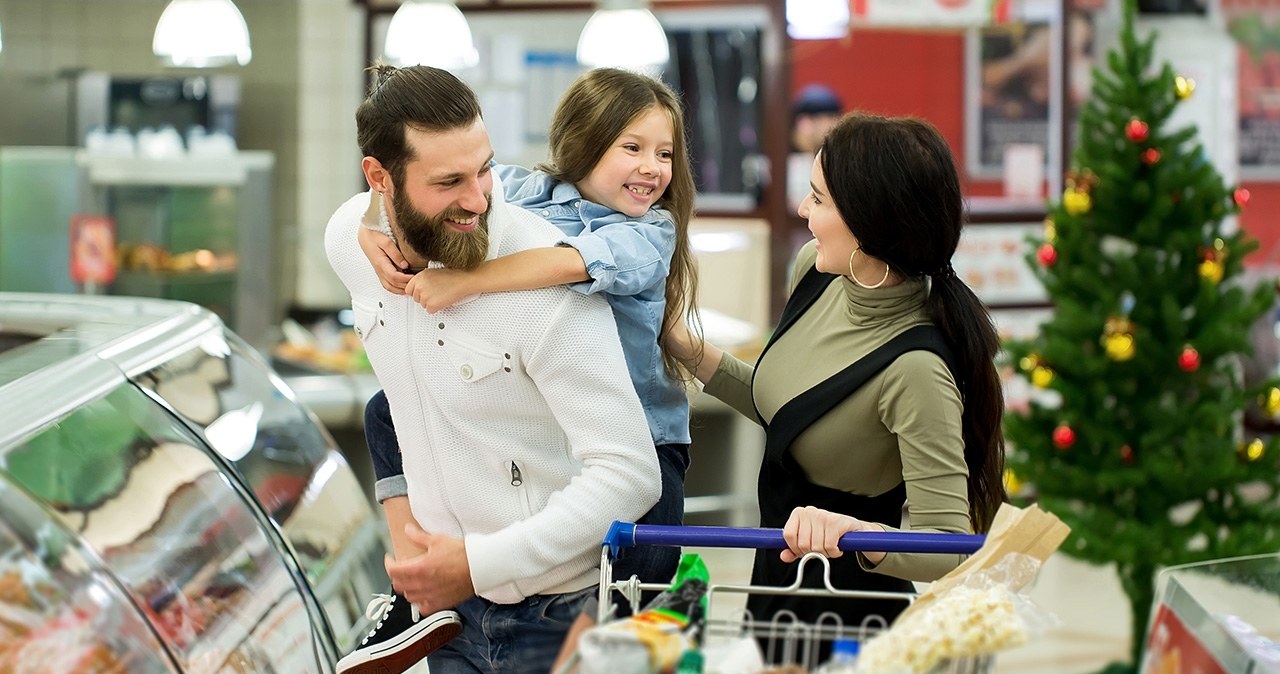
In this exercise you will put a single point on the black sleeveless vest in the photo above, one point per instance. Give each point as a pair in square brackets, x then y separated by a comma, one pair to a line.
[783, 486]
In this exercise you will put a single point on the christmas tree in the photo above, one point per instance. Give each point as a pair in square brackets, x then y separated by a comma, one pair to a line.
[1136, 439]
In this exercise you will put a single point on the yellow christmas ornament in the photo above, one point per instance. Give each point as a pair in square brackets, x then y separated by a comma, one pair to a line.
[1270, 402]
[1011, 482]
[1211, 270]
[1050, 231]
[1076, 201]
[1183, 87]
[1119, 347]
[1117, 339]
[1254, 450]
[1029, 362]
[1041, 377]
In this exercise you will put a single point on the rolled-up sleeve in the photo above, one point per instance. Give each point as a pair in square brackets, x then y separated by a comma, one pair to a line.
[623, 256]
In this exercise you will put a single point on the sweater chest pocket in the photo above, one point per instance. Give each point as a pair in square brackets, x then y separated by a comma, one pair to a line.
[366, 315]
[472, 359]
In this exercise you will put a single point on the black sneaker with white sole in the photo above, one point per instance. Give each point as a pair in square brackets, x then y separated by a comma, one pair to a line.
[400, 638]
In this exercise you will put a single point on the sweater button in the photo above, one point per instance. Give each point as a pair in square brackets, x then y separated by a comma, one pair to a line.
[466, 372]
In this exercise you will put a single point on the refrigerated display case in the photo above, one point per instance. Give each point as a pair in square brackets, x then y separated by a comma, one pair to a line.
[190, 227]
[174, 508]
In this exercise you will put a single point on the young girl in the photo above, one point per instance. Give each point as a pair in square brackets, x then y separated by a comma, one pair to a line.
[619, 184]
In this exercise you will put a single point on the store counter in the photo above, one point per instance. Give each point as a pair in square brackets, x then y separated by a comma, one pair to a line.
[168, 504]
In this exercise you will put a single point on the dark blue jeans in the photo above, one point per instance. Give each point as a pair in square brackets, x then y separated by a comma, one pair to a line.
[522, 638]
[651, 564]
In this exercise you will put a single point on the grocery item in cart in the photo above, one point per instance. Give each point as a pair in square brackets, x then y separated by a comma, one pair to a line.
[653, 640]
[982, 615]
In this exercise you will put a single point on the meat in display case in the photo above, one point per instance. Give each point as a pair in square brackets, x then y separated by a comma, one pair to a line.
[168, 506]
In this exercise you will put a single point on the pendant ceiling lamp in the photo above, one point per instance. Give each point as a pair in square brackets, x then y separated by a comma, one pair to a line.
[202, 34]
[817, 19]
[431, 33]
[623, 34]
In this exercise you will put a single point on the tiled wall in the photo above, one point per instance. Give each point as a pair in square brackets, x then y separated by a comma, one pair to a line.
[331, 85]
[298, 96]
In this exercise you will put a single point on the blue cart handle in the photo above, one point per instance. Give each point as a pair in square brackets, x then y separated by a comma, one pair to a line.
[628, 535]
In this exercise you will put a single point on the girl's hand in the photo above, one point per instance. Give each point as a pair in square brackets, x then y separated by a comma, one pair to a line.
[385, 258]
[439, 288]
[811, 529]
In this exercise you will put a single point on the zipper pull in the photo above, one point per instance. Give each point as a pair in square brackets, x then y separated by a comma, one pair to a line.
[516, 480]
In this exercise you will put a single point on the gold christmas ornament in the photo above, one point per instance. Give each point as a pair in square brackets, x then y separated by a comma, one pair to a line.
[1029, 362]
[1183, 87]
[1117, 339]
[1119, 347]
[1076, 201]
[1270, 402]
[1212, 270]
[1012, 484]
[1254, 450]
[1041, 377]
[1050, 231]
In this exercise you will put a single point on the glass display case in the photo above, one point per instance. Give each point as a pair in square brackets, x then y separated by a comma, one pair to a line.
[174, 501]
[196, 228]
[1216, 617]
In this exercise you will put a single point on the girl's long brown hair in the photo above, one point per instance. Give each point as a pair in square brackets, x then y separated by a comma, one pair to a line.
[593, 112]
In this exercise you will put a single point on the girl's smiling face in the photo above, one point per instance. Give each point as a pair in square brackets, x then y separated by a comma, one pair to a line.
[635, 170]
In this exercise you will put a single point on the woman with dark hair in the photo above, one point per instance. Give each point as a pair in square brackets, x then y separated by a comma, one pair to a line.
[878, 389]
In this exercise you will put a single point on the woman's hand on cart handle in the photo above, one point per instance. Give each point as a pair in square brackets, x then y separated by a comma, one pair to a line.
[811, 529]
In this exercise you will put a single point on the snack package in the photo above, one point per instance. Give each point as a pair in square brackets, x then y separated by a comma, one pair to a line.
[983, 614]
[652, 641]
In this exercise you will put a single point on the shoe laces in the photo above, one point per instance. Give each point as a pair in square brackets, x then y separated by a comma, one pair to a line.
[379, 606]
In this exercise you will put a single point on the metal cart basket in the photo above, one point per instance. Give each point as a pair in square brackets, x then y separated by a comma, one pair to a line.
[785, 638]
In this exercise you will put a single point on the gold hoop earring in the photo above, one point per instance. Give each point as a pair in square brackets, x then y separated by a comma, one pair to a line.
[860, 283]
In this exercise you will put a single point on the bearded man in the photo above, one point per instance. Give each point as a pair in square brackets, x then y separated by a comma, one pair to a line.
[521, 435]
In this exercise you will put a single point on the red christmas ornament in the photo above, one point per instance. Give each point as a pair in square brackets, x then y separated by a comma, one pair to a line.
[1150, 156]
[1046, 255]
[1241, 196]
[1189, 360]
[1126, 453]
[1063, 437]
[1136, 130]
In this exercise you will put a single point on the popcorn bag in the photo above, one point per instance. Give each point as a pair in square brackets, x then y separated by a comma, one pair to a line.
[978, 608]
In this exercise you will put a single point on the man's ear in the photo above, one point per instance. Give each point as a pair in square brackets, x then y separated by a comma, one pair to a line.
[379, 178]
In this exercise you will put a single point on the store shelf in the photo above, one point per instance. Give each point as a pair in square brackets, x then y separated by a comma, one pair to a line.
[186, 170]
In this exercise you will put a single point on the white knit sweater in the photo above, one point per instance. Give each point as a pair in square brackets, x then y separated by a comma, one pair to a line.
[518, 425]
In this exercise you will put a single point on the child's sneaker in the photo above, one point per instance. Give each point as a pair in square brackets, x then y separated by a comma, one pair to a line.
[400, 638]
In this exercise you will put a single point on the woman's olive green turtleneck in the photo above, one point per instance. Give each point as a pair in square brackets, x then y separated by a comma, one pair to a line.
[903, 424]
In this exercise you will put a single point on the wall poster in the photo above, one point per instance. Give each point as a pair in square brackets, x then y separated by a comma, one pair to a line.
[1009, 84]
[1255, 26]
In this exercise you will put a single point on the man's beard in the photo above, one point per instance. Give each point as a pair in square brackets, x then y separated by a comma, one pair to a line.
[438, 242]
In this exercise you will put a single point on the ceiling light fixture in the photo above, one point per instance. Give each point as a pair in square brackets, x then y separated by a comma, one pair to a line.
[202, 34]
[623, 34]
[817, 19]
[432, 33]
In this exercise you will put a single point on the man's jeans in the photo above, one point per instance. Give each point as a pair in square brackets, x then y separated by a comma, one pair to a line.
[522, 638]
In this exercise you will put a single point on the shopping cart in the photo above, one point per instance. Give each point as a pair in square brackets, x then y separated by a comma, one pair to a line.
[785, 639]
